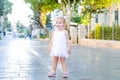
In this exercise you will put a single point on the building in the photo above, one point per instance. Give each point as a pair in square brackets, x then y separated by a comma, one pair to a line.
[110, 17]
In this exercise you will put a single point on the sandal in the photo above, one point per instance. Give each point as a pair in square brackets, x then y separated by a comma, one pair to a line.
[64, 75]
[52, 74]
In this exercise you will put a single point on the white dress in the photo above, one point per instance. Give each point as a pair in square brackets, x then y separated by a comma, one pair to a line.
[59, 45]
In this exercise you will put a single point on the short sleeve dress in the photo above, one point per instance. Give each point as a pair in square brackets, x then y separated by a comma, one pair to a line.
[59, 45]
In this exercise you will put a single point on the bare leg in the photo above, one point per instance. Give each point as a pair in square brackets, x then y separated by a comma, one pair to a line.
[63, 63]
[54, 66]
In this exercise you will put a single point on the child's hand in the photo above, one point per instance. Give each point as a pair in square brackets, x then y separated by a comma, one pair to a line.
[49, 50]
[69, 51]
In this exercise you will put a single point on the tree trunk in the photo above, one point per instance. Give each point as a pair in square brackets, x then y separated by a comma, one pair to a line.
[46, 31]
[68, 16]
[69, 20]
[89, 27]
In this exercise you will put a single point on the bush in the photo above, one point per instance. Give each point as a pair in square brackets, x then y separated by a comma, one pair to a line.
[98, 32]
[106, 32]
[117, 33]
[43, 36]
[34, 37]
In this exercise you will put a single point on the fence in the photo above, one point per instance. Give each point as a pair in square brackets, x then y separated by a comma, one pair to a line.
[100, 36]
[100, 32]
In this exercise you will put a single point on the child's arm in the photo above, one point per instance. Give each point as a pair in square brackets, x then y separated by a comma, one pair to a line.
[50, 43]
[68, 43]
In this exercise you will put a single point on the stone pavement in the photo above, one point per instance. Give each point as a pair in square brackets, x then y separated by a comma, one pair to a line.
[29, 60]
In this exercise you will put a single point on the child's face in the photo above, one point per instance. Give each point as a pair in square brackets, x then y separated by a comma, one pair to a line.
[60, 24]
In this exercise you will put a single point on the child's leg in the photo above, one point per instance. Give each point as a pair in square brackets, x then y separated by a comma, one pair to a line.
[54, 66]
[63, 63]
[55, 61]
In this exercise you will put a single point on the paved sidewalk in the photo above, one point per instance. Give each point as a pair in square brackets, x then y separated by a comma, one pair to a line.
[85, 63]
[29, 60]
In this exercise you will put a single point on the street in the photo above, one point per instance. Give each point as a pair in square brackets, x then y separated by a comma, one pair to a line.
[29, 60]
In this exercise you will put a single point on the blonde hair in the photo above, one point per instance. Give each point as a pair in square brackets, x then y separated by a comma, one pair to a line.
[61, 18]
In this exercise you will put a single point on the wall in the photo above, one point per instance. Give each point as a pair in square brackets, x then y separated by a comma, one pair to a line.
[100, 43]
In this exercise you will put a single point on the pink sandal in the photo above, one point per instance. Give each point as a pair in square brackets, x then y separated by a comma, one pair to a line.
[52, 74]
[64, 75]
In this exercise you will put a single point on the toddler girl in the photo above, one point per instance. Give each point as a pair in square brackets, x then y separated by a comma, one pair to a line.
[59, 46]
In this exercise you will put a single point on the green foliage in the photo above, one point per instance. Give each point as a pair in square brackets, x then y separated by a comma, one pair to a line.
[35, 4]
[20, 27]
[42, 5]
[70, 2]
[35, 19]
[89, 7]
[6, 23]
[117, 33]
[43, 36]
[95, 6]
[5, 7]
[76, 19]
[48, 20]
[85, 18]
[1, 7]
[98, 32]
[108, 31]
[21, 30]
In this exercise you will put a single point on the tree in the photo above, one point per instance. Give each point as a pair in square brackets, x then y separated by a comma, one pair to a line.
[90, 7]
[68, 7]
[20, 27]
[1, 7]
[48, 21]
[7, 7]
[42, 7]
[6, 24]
[35, 20]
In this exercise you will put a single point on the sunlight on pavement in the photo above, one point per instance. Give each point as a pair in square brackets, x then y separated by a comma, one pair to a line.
[17, 54]
[18, 46]
[35, 53]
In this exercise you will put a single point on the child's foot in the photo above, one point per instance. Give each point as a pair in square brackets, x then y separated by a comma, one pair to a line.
[52, 74]
[64, 75]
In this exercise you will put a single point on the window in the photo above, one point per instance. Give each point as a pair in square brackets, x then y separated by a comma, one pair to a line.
[96, 18]
[105, 18]
[116, 17]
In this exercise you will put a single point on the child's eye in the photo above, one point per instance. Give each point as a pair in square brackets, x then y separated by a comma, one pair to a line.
[59, 23]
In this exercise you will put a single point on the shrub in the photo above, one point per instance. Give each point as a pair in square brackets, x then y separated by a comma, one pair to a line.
[98, 32]
[43, 36]
[108, 32]
[117, 33]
